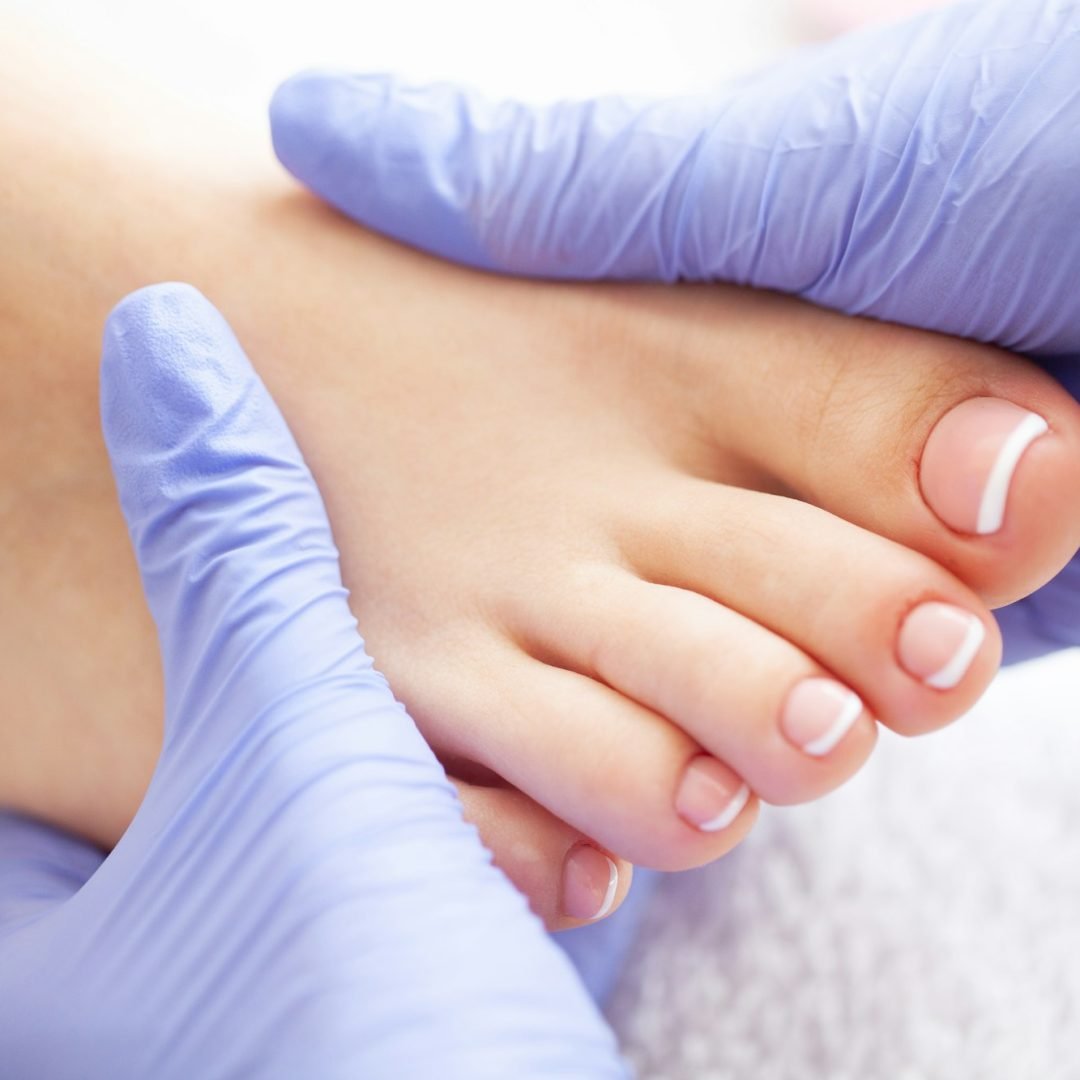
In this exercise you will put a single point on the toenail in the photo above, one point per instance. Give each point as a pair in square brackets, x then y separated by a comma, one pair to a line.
[590, 881]
[938, 642]
[710, 796]
[970, 458]
[818, 713]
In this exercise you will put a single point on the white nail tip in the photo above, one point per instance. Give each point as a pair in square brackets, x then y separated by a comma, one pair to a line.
[729, 813]
[850, 710]
[612, 889]
[950, 675]
[992, 506]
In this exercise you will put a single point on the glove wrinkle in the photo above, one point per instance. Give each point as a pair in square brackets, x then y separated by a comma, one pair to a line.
[298, 894]
[922, 173]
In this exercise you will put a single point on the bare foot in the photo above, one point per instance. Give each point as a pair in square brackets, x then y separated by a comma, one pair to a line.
[633, 557]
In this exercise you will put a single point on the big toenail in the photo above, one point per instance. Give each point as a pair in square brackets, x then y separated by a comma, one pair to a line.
[590, 881]
[818, 713]
[938, 642]
[970, 459]
[710, 796]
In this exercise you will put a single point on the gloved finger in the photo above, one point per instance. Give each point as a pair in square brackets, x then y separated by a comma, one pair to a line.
[1044, 622]
[40, 867]
[568, 880]
[227, 524]
[495, 185]
[288, 770]
[884, 174]
[1047, 621]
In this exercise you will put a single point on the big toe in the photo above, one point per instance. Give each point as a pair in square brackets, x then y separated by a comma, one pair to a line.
[962, 452]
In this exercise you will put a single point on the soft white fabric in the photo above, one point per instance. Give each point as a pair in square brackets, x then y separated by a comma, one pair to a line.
[923, 922]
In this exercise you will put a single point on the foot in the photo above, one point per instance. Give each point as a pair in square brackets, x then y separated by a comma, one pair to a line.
[670, 551]
[633, 557]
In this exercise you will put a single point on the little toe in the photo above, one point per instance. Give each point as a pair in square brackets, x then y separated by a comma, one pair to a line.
[567, 878]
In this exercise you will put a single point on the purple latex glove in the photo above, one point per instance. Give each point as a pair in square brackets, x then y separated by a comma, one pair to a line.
[926, 173]
[298, 895]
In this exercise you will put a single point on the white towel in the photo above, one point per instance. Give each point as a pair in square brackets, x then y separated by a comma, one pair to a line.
[922, 923]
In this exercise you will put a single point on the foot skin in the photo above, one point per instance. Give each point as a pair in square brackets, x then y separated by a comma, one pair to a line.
[633, 557]
[599, 559]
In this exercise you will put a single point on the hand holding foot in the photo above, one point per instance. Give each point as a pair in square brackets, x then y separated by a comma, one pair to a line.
[632, 556]
[298, 894]
[918, 173]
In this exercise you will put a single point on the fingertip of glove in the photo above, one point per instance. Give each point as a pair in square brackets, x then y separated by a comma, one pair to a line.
[144, 322]
[137, 311]
[170, 365]
[310, 110]
[303, 91]
[396, 158]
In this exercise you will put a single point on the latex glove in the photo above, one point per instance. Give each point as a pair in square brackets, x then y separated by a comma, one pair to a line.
[298, 895]
[924, 173]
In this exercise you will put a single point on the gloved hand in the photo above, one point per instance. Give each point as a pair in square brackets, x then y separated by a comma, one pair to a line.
[924, 173]
[298, 895]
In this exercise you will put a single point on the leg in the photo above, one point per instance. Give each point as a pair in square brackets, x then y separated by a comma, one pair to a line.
[596, 537]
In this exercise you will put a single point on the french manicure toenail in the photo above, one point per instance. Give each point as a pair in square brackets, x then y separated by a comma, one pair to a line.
[710, 796]
[818, 713]
[938, 643]
[970, 459]
[590, 882]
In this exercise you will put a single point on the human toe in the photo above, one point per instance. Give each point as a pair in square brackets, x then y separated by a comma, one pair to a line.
[567, 878]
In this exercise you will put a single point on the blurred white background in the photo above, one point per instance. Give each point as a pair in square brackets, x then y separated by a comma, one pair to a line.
[236, 50]
[921, 923]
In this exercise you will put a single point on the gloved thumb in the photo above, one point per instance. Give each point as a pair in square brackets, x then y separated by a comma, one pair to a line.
[918, 172]
[556, 191]
[237, 561]
[288, 768]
